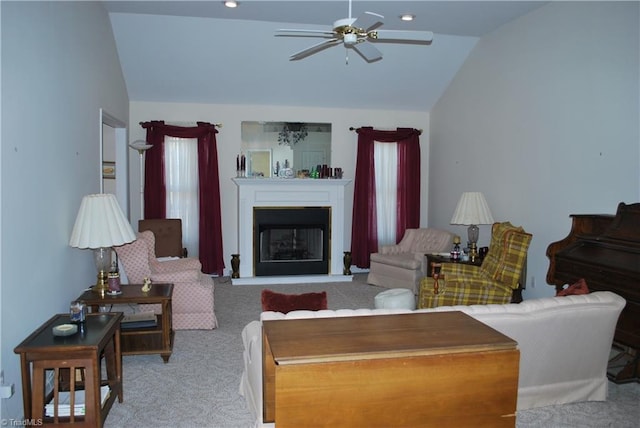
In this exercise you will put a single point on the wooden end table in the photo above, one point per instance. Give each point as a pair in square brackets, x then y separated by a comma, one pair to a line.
[82, 352]
[435, 260]
[151, 340]
[419, 369]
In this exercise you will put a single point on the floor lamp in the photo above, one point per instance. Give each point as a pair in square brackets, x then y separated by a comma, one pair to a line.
[141, 146]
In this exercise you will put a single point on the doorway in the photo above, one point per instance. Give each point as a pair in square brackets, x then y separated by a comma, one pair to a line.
[114, 160]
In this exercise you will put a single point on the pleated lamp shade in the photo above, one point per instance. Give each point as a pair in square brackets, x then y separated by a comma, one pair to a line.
[101, 223]
[472, 209]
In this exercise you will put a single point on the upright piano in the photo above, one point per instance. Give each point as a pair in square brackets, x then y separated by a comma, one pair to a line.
[604, 249]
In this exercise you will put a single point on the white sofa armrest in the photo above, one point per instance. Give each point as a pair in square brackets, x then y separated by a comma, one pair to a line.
[251, 380]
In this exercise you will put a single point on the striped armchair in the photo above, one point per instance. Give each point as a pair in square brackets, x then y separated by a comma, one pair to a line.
[492, 282]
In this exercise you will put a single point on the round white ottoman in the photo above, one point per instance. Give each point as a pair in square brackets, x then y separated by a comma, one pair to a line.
[395, 298]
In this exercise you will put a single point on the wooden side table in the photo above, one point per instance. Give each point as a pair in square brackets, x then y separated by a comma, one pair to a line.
[433, 260]
[82, 352]
[151, 340]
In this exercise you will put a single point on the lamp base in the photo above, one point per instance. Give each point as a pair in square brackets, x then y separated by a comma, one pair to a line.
[473, 251]
[102, 257]
[102, 286]
[473, 231]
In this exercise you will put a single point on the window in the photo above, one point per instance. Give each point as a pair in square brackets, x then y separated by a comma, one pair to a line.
[386, 179]
[181, 182]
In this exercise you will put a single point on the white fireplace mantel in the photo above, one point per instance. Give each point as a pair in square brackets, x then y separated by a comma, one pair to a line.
[289, 192]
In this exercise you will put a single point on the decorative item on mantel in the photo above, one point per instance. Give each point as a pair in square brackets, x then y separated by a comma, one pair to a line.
[318, 171]
[325, 171]
[241, 165]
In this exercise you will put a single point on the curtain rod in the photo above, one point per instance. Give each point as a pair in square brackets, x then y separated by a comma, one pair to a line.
[217, 125]
[355, 129]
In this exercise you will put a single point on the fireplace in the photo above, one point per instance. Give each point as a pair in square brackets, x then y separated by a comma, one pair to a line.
[291, 240]
[310, 247]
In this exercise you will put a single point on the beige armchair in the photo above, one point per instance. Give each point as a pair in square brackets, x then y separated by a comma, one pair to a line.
[403, 265]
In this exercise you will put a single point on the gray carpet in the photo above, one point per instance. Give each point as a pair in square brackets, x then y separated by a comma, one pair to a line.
[199, 384]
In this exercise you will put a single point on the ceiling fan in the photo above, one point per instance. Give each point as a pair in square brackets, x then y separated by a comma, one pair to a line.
[356, 34]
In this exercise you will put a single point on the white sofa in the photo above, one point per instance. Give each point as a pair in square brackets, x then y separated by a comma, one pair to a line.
[564, 345]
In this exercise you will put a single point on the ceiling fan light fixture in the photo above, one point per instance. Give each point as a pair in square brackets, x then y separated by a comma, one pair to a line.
[350, 39]
[407, 17]
[230, 4]
[358, 34]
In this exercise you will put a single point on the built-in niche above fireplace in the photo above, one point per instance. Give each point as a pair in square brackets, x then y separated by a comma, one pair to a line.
[311, 245]
[272, 146]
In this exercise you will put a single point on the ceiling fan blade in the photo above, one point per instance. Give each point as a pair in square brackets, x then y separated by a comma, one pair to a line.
[313, 49]
[367, 51]
[409, 36]
[368, 21]
[308, 33]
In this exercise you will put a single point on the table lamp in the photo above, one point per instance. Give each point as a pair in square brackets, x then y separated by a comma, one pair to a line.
[472, 210]
[100, 225]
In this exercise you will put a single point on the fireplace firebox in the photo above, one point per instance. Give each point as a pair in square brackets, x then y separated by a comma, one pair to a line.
[291, 240]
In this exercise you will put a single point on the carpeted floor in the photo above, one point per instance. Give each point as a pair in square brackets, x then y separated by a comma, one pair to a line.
[199, 384]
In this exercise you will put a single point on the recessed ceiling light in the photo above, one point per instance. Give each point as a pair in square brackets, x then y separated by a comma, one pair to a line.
[231, 3]
[407, 17]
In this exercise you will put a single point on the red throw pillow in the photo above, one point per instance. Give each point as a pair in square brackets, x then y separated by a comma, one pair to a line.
[580, 287]
[278, 302]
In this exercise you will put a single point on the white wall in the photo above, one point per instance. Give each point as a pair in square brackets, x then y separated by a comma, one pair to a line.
[543, 118]
[59, 67]
[343, 152]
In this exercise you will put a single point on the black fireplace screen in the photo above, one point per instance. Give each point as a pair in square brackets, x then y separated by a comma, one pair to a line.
[290, 244]
[291, 240]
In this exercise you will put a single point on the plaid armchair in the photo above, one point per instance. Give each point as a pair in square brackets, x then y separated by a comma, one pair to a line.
[492, 282]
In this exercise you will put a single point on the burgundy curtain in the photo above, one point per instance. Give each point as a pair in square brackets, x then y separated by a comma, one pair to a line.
[364, 234]
[210, 226]
[155, 193]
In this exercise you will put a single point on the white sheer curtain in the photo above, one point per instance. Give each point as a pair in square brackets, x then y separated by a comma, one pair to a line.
[181, 176]
[386, 168]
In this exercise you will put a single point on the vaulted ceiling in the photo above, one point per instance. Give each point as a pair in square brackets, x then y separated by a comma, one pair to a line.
[203, 52]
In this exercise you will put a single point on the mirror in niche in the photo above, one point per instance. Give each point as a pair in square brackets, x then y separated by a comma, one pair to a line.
[288, 148]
